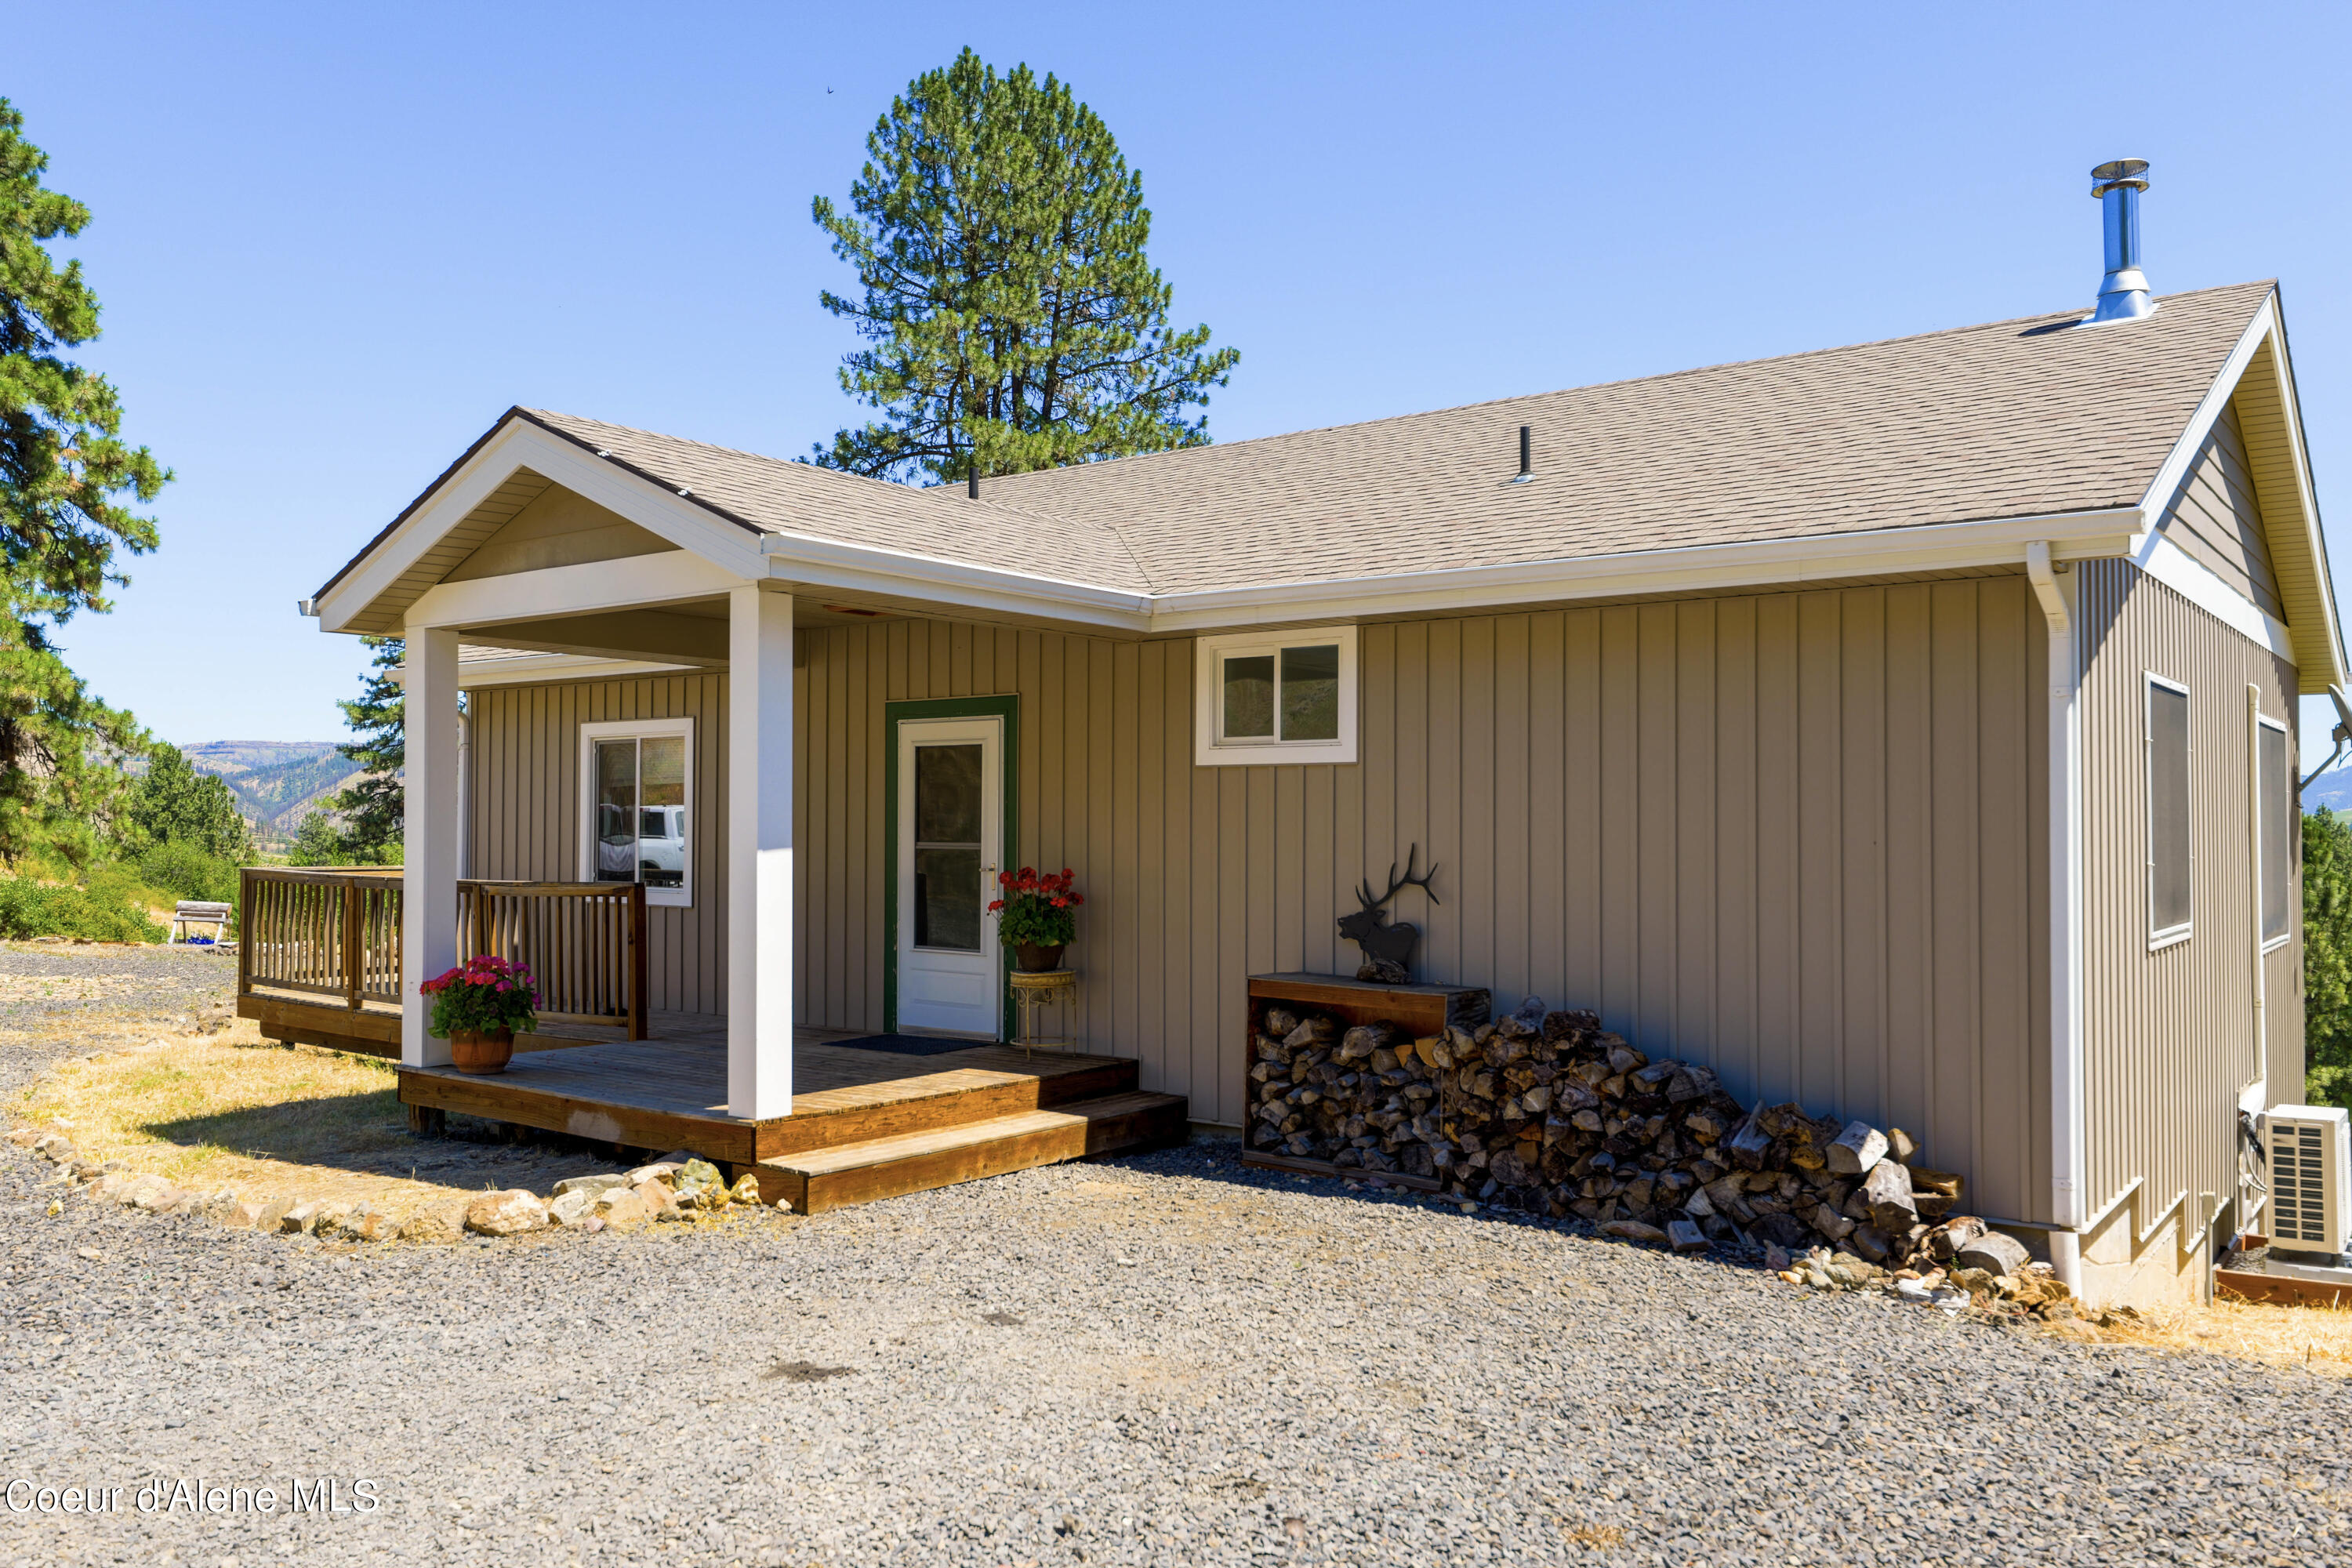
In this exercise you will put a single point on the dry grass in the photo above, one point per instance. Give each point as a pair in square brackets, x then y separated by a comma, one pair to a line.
[262, 1120]
[2319, 1338]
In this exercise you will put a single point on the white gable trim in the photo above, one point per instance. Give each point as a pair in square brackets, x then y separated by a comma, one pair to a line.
[520, 444]
[2322, 657]
[2209, 413]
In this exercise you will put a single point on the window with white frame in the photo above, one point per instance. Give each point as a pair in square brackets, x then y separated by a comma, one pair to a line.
[637, 807]
[1276, 697]
[2276, 777]
[2169, 854]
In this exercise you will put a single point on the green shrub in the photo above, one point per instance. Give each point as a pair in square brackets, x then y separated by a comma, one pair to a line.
[186, 870]
[33, 908]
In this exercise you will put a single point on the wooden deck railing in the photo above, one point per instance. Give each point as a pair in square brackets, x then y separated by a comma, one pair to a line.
[584, 943]
[326, 932]
[334, 935]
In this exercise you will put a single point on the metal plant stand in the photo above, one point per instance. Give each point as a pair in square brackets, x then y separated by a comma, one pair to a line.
[1033, 992]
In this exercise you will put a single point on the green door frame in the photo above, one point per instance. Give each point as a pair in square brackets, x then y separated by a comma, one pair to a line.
[1007, 709]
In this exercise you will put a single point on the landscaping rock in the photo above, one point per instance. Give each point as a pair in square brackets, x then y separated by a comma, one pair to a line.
[25, 1137]
[328, 1221]
[1994, 1253]
[572, 1206]
[510, 1213]
[56, 1148]
[746, 1189]
[366, 1222]
[149, 1192]
[299, 1220]
[660, 1170]
[591, 1185]
[697, 1177]
[429, 1225]
[1633, 1230]
[624, 1209]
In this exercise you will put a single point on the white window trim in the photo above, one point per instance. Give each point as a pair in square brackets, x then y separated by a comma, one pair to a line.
[680, 898]
[2171, 935]
[2261, 871]
[1209, 750]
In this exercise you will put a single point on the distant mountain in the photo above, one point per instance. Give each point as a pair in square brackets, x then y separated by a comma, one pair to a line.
[2333, 790]
[277, 783]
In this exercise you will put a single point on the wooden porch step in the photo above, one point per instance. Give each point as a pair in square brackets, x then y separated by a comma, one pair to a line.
[820, 1179]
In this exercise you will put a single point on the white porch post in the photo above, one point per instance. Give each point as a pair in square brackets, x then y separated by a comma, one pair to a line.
[428, 888]
[759, 852]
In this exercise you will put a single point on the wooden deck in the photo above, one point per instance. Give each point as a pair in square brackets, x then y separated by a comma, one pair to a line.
[865, 1123]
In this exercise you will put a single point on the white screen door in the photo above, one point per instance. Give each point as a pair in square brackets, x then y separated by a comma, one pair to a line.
[950, 820]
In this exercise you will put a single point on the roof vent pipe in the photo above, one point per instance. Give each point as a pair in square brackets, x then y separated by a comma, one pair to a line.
[1527, 455]
[972, 481]
[2123, 294]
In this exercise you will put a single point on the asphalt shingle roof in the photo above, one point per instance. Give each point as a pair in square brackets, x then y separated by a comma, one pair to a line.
[2006, 420]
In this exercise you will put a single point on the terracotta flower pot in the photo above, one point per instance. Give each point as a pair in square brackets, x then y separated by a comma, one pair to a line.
[1031, 959]
[486, 1052]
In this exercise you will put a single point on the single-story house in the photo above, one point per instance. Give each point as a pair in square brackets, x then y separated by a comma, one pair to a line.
[1907, 730]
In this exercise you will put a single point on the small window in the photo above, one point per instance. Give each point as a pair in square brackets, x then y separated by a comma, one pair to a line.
[2169, 845]
[1279, 698]
[2277, 806]
[639, 779]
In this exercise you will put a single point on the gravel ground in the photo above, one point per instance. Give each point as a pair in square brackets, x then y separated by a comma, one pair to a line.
[1162, 1360]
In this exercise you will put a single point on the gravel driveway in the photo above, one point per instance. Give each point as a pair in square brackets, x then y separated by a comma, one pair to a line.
[1162, 1360]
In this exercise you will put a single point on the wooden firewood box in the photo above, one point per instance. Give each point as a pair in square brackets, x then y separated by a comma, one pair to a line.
[1417, 1011]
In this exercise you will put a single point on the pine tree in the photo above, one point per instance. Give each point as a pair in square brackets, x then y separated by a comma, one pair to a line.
[2327, 958]
[999, 237]
[62, 464]
[319, 841]
[372, 805]
[174, 804]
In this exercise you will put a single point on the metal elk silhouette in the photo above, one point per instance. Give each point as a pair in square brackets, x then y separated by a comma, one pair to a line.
[1387, 949]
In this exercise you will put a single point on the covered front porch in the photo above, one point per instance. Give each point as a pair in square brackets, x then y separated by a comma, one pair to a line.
[321, 962]
[867, 1121]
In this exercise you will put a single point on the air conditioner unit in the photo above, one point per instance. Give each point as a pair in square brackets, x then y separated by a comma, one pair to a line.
[2310, 1161]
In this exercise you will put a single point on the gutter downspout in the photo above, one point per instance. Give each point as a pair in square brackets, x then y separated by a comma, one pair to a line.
[2066, 745]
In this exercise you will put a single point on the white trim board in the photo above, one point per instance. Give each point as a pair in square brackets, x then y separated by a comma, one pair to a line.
[631, 582]
[1999, 542]
[2157, 555]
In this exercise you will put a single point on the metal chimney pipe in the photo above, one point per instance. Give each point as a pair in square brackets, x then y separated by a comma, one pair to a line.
[1527, 455]
[972, 480]
[2123, 294]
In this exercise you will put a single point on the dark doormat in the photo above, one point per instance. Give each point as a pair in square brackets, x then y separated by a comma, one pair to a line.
[908, 1045]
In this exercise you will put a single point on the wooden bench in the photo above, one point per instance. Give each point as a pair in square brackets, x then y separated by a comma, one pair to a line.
[196, 913]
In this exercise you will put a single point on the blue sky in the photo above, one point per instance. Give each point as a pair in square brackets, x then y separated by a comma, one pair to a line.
[334, 243]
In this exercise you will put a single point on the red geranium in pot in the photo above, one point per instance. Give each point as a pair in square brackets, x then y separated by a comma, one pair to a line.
[477, 1006]
[1038, 916]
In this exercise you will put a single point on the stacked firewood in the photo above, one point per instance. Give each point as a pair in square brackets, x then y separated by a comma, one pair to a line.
[1547, 1110]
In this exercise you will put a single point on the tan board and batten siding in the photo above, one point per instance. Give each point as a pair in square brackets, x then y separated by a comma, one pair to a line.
[1799, 836]
[2215, 518]
[525, 797]
[2171, 1034]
